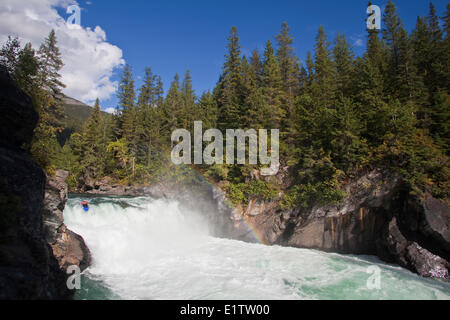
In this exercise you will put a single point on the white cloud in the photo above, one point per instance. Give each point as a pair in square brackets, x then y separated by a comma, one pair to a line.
[110, 110]
[89, 60]
[359, 43]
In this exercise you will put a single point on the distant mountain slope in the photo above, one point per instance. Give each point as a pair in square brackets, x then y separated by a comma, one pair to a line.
[77, 111]
[76, 114]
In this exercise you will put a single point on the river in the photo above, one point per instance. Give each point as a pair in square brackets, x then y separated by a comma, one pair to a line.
[151, 249]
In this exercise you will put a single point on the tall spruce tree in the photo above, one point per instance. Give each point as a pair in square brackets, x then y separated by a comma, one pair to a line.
[50, 64]
[93, 143]
[229, 89]
[253, 104]
[324, 71]
[272, 89]
[344, 60]
[289, 70]
[287, 61]
[255, 62]
[127, 117]
[172, 108]
[188, 108]
[147, 91]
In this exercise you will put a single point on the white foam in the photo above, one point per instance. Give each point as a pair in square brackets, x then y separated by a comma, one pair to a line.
[153, 250]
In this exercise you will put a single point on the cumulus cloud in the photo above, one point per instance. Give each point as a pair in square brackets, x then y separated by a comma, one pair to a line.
[110, 110]
[89, 60]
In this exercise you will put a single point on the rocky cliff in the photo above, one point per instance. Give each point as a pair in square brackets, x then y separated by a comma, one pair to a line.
[378, 217]
[28, 267]
[67, 246]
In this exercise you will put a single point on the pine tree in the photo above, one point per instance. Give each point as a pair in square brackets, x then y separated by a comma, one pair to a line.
[324, 75]
[207, 110]
[374, 48]
[370, 99]
[253, 104]
[310, 68]
[348, 150]
[188, 109]
[50, 64]
[287, 61]
[255, 62]
[446, 49]
[229, 88]
[172, 108]
[409, 84]
[289, 70]
[437, 57]
[403, 81]
[148, 119]
[26, 72]
[343, 57]
[93, 143]
[127, 117]
[159, 92]
[147, 91]
[9, 54]
[272, 89]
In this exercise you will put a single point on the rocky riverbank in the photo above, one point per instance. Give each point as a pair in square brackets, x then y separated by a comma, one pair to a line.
[67, 246]
[378, 217]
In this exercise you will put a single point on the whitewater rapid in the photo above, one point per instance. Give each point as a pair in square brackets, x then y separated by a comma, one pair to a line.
[152, 249]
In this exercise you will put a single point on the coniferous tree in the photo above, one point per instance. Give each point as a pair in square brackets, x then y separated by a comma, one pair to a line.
[272, 89]
[26, 71]
[9, 54]
[229, 89]
[310, 67]
[343, 57]
[172, 108]
[324, 71]
[127, 116]
[188, 108]
[289, 70]
[159, 92]
[253, 104]
[147, 91]
[207, 110]
[93, 143]
[50, 63]
[255, 62]
[148, 119]
[287, 61]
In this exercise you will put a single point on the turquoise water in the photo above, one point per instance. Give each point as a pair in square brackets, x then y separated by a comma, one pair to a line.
[151, 249]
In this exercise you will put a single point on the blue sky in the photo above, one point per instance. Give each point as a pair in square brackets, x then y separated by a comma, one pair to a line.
[172, 36]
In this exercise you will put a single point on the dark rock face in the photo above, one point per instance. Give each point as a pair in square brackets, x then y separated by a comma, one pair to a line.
[28, 269]
[67, 246]
[394, 247]
[377, 217]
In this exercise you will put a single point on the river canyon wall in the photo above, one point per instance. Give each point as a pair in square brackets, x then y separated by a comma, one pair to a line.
[33, 254]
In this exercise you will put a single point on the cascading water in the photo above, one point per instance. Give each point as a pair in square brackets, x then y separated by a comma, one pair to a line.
[151, 249]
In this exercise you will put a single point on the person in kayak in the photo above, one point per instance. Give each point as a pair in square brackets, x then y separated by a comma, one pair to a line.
[85, 206]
